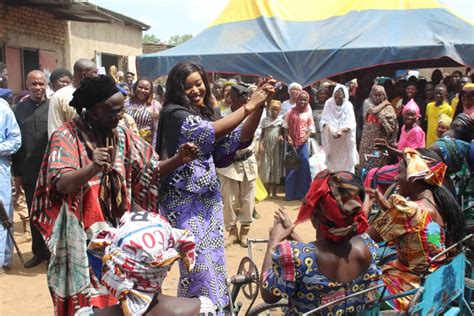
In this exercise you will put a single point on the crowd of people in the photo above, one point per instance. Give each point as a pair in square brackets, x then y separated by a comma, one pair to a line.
[99, 156]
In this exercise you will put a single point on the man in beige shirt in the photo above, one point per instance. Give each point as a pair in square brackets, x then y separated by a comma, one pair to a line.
[238, 182]
[59, 109]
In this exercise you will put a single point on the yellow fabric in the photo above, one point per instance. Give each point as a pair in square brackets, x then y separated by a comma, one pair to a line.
[445, 120]
[261, 193]
[468, 87]
[432, 114]
[454, 103]
[312, 10]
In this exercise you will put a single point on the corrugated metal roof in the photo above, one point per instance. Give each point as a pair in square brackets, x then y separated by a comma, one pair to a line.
[81, 11]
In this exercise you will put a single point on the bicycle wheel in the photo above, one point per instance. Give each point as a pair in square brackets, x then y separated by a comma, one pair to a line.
[276, 309]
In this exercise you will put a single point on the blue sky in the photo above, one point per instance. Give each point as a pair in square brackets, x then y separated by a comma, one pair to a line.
[168, 17]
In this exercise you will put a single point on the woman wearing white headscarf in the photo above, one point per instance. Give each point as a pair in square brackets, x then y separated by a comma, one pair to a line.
[338, 131]
[294, 90]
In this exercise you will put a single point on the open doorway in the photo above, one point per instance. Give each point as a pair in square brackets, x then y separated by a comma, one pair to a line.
[30, 60]
[110, 60]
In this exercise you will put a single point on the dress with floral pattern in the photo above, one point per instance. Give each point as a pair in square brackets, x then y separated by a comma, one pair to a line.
[191, 199]
[295, 276]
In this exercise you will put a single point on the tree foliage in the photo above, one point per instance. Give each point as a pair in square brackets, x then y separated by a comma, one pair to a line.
[179, 39]
[150, 39]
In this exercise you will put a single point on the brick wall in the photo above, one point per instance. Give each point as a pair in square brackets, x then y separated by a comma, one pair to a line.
[38, 24]
[2, 22]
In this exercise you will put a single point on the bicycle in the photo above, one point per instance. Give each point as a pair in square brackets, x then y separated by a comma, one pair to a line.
[247, 279]
[278, 308]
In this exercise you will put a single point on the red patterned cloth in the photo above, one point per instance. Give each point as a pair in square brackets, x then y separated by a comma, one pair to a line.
[336, 198]
[68, 221]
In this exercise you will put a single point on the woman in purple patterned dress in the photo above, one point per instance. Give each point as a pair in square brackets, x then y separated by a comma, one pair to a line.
[191, 197]
[144, 110]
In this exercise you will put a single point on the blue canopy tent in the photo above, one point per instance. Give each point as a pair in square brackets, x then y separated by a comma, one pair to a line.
[308, 40]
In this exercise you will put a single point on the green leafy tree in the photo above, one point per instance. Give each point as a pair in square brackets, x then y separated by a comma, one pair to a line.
[150, 39]
[179, 39]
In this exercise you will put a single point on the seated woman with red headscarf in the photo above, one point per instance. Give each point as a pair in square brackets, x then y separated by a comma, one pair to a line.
[340, 262]
[421, 222]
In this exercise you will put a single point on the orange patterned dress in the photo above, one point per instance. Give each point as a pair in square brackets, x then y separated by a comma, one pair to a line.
[417, 238]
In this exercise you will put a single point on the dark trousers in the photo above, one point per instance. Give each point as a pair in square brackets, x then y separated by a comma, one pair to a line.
[38, 246]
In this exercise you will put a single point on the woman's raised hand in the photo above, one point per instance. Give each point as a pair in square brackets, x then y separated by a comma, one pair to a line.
[376, 196]
[264, 92]
[188, 152]
[282, 216]
[282, 227]
[381, 143]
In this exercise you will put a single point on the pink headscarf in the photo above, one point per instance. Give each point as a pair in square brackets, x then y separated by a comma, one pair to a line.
[412, 106]
[294, 119]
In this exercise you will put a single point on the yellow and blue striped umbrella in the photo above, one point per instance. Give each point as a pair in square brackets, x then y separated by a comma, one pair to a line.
[308, 40]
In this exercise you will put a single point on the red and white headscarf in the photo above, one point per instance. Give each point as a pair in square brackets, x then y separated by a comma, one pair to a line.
[336, 199]
[137, 256]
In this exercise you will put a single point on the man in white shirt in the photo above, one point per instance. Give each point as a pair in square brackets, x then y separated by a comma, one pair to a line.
[59, 109]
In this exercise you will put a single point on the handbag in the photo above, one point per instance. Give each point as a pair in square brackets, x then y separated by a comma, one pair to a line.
[291, 159]
[261, 193]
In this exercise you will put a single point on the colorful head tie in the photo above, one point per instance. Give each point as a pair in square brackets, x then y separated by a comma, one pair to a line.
[135, 258]
[423, 168]
[445, 120]
[336, 198]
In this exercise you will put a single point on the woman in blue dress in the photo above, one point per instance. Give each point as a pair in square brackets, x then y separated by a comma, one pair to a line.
[191, 197]
[340, 262]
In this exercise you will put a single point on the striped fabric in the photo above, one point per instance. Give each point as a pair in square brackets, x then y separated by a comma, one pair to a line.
[68, 221]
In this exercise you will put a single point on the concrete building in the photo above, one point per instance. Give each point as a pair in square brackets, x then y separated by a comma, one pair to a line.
[47, 34]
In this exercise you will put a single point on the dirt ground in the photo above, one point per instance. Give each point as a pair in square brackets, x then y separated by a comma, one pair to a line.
[24, 291]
